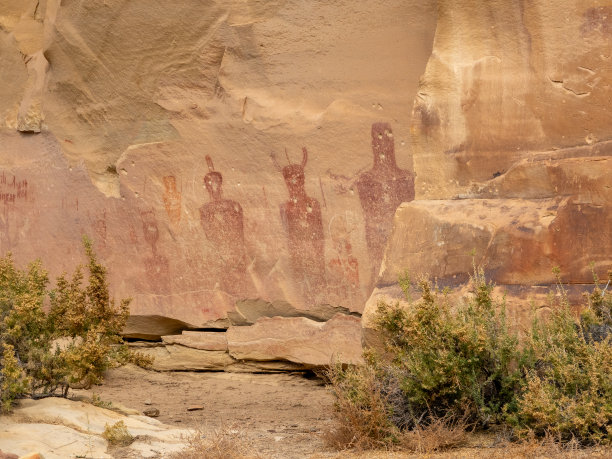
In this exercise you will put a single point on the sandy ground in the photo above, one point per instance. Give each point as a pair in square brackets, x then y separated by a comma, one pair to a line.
[281, 415]
[278, 415]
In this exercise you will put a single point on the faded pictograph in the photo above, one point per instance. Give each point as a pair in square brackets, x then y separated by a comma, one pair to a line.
[381, 190]
[13, 191]
[100, 230]
[302, 221]
[343, 269]
[172, 199]
[156, 265]
[223, 224]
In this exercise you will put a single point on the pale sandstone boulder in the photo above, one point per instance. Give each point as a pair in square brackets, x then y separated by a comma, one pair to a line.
[248, 311]
[56, 441]
[298, 340]
[152, 327]
[175, 357]
[60, 428]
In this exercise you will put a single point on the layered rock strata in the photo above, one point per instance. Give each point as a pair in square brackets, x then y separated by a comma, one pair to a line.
[271, 344]
[513, 153]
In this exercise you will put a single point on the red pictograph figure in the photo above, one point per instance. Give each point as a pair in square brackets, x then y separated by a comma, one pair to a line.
[223, 224]
[172, 199]
[343, 278]
[381, 190]
[156, 266]
[301, 217]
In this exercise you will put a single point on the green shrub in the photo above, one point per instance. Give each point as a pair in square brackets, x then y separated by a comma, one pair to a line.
[13, 380]
[569, 387]
[464, 364]
[54, 338]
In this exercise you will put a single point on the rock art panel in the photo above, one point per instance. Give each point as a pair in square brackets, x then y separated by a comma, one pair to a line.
[343, 268]
[12, 189]
[119, 152]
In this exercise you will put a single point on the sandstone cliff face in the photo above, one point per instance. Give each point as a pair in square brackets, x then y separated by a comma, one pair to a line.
[235, 160]
[150, 127]
[512, 149]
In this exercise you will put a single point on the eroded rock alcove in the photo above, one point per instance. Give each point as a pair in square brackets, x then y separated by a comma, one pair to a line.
[239, 164]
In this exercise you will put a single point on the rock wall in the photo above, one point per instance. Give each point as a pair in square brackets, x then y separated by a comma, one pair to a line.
[234, 160]
[512, 149]
[215, 151]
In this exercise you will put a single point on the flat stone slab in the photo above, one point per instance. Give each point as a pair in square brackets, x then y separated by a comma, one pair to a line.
[298, 340]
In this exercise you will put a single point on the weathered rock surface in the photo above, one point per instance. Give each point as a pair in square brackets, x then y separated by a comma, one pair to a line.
[271, 344]
[208, 341]
[506, 81]
[177, 357]
[160, 150]
[513, 154]
[298, 340]
[248, 311]
[152, 327]
[60, 428]
[517, 241]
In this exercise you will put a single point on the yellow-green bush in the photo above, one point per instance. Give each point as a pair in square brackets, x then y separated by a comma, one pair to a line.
[53, 338]
[569, 386]
[463, 362]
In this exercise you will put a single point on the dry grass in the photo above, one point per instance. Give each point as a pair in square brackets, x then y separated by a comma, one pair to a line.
[485, 446]
[360, 424]
[439, 434]
[227, 442]
[117, 434]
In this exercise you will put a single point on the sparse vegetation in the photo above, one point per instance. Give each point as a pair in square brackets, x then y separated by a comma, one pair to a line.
[117, 434]
[446, 366]
[227, 442]
[51, 339]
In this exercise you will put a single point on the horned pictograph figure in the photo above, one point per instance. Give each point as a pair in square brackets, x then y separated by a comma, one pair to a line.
[223, 223]
[302, 221]
[381, 190]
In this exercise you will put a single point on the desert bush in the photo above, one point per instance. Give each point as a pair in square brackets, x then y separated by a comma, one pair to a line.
[568, 394]
[463, 364]
[117, 434]
[53, 338]
[362, 413]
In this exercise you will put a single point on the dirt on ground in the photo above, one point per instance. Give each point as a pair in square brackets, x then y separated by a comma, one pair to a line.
[280, 416]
